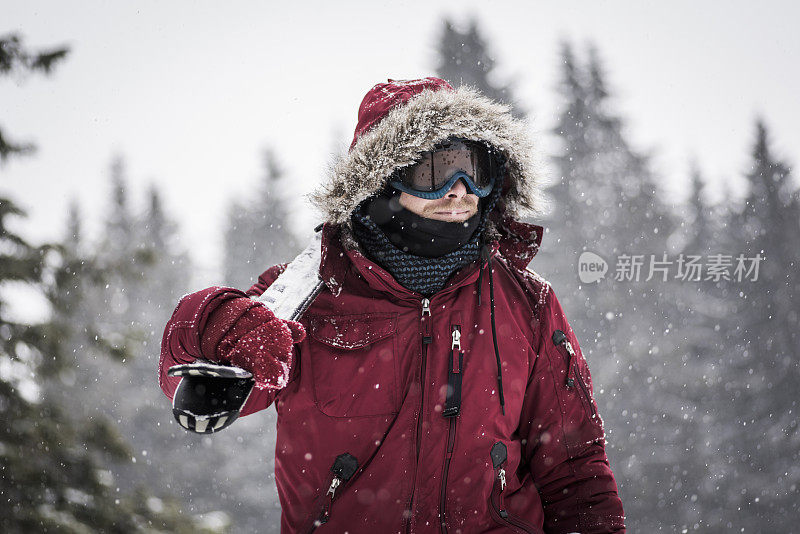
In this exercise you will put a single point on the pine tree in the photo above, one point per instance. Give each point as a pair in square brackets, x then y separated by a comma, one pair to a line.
[701, 222]
[699, 305]
[606, 201]
[605, 197]
[564, 221]
[760, 370]
[54, 475]
[146, 277]
[16, 59]
[164, 270]
[138, 273]
[257, 234]
[101, 314]
[464, 59]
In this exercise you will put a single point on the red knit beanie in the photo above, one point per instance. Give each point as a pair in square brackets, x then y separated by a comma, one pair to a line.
[384, 97]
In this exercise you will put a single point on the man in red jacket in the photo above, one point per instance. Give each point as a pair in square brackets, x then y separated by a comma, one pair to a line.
[435, 384]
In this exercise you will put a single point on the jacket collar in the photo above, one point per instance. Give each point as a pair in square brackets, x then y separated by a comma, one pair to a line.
[517, 242]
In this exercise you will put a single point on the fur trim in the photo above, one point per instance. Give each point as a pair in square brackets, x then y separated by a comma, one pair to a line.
[417, 126]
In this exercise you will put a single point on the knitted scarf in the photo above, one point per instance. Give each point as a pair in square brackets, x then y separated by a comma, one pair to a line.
[423, 275]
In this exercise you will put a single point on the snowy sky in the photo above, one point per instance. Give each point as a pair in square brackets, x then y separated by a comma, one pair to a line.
[190, 92]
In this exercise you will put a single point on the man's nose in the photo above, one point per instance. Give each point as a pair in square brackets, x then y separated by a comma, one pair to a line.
[458, 190]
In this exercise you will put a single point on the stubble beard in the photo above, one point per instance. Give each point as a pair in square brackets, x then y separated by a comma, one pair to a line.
[459, 211]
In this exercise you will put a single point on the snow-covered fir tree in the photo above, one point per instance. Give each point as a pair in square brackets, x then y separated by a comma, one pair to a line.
[131, 292]
[464, 58]
[759, 366]
[55, 475]
[607, 200]
[257, 234]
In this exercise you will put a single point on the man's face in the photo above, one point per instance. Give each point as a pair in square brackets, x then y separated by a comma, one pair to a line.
[456, 206]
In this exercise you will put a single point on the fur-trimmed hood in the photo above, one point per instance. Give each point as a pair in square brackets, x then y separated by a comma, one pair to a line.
[417, 125]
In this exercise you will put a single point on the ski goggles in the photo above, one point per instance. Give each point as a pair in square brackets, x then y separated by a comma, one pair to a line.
[438, 170]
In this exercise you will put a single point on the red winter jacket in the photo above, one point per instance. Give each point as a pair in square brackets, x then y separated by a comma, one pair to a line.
[371, 379]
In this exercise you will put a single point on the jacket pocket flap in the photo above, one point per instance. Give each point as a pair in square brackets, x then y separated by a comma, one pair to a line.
[351, 332]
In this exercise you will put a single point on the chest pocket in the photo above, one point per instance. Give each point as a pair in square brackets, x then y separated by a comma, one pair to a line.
[353, 364]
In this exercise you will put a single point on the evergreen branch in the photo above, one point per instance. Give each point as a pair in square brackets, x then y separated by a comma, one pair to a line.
[14, 56]
[9, 148]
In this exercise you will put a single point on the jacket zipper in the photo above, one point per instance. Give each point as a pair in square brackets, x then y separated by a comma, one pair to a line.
[456, 362]
[343, 468]
[426, 340]
[560, 340]
[499, 455]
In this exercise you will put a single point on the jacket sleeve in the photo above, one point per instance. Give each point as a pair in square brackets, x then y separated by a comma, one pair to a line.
[205, 319]
[563, 434]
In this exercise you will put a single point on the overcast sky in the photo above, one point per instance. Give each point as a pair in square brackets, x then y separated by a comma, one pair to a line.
[190, 92]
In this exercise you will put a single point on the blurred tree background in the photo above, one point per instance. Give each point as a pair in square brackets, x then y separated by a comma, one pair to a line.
[693, 376]
[57, 458]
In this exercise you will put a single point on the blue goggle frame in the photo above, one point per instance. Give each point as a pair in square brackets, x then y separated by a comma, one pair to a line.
[442, 191]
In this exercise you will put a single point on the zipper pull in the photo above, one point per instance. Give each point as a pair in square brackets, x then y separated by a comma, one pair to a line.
[334, 484]
[452, 403]
[426, 307]
[326, 508]
[456, 339]
[343, 468]
[560, 338]
[568, 346]
[499, 455]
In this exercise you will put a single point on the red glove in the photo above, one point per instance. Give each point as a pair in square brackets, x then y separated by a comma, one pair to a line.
[246, 334]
